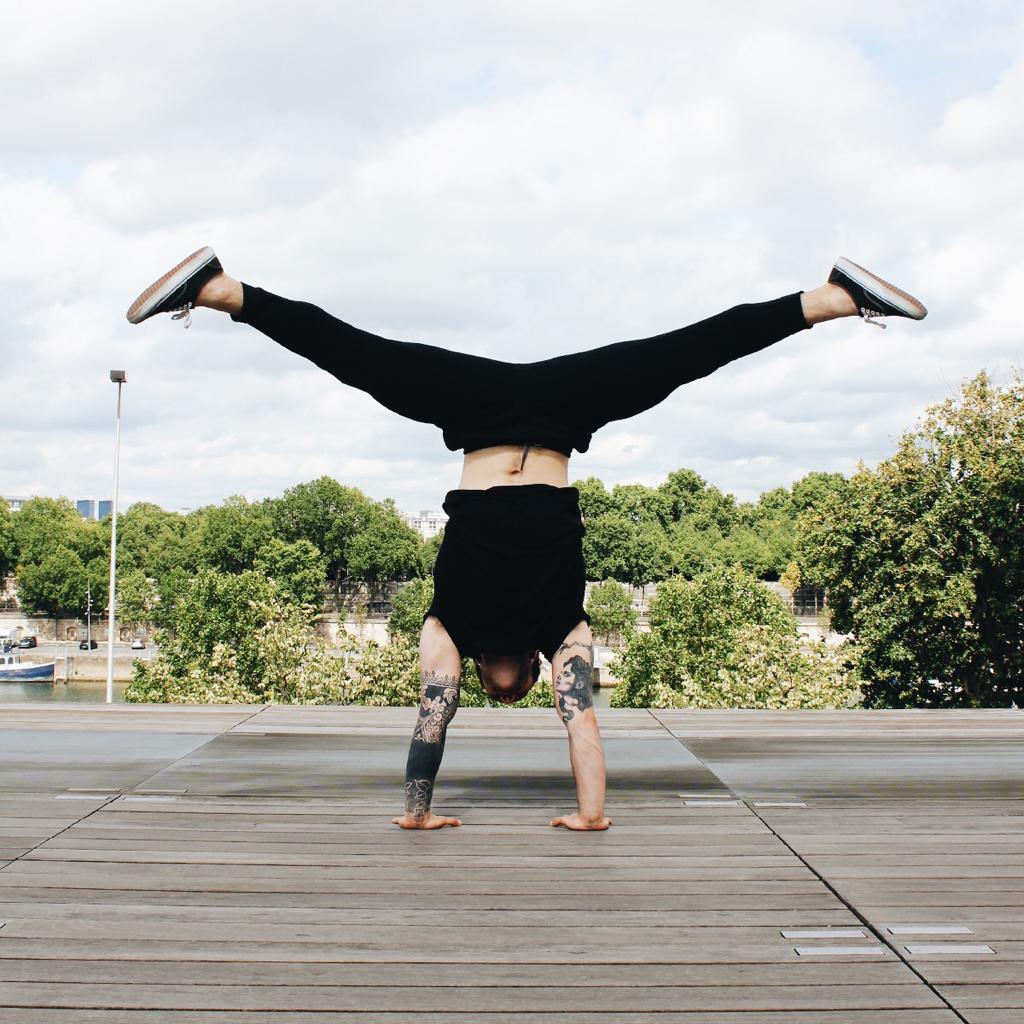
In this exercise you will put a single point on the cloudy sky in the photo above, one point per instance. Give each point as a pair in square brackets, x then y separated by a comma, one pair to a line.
[517, 179]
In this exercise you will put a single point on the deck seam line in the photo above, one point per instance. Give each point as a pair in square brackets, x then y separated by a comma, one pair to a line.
[748, 803]
[877, 933]
[188, 753]
[72, 824]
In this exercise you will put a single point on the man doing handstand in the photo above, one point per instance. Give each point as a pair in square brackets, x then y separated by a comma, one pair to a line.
[509, 577]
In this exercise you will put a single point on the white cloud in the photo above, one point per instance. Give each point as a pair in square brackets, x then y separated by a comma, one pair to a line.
[512, 179]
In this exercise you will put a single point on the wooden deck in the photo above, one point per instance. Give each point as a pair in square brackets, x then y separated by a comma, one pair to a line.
[236, 864]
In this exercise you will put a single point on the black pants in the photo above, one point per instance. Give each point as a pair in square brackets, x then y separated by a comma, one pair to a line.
[558, 403]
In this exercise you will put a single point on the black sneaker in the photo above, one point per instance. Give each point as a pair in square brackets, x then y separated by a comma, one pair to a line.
[176, 291]
[873, 296]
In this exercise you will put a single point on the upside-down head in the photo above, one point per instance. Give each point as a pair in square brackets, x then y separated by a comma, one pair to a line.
[507, 678]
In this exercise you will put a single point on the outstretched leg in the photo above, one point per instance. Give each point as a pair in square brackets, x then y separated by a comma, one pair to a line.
[420, 382]
[642, 373]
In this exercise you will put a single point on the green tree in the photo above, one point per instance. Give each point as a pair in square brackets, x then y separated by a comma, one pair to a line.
[136, 598]
[171, 590]
[692, 549]
[8, 548]
[790, 578]
[688, 496]
[152, 540]
[923, 557]
[45, 524]
[606, 546]
[814, 488]
[239, 641]
[764, 550]
[594, 498]
[324, 513]
[427, 554]
[384, 547]
[611, 611]
[409, 606]
[298, 569]
[56, 585]
[640, 504]
[725, 640]
[228, 537]
[648, 555]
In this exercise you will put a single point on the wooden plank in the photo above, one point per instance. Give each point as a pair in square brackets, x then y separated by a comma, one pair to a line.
[442, 975]
[1000, 997]
[804, 911]
[488, 930]
[471, 999]
[268, 914]
[650, 951]
[554, 1016]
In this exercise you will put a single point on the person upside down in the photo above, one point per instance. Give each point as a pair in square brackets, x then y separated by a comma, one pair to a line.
[509, 577]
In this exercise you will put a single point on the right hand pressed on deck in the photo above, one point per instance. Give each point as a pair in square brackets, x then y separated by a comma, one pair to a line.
[427, 821]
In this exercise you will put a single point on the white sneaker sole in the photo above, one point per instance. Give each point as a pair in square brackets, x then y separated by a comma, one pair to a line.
[897, 297]
[158, 291]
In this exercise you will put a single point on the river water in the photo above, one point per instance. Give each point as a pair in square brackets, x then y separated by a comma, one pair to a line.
[96, 693]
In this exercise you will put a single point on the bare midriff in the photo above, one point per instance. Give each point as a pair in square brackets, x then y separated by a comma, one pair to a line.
[504, 465]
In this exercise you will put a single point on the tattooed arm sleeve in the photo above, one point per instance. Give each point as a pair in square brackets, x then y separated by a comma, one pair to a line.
[574, 684]
[439, 700]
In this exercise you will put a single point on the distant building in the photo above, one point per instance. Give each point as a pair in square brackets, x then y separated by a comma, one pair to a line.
[427, 522]
[14, 503]
[90, 508]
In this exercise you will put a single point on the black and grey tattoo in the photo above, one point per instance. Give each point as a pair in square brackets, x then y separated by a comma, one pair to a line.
[574, 684]
[439, 700]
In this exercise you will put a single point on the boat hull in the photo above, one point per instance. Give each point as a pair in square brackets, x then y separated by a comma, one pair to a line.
[19, 673]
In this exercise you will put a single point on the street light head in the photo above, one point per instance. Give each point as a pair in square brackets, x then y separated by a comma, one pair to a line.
[117, 376]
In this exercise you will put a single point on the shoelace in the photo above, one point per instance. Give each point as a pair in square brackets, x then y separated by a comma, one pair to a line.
[184, 313]
[869, 317]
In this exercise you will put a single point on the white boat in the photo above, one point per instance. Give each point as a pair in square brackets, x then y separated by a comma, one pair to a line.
[12, 669]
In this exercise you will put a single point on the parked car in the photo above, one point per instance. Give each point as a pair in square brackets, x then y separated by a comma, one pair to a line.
[85, 645]
[138, 644]
[27, 642]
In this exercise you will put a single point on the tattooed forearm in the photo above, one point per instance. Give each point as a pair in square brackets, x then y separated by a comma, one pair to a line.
[439, 700]
[418, 793]
[581, 647]
[574, 685]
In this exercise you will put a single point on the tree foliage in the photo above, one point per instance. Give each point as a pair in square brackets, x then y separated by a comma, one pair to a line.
[384, 547]
[237, 640]
[725, 640]
[228, 537]
[151, 540]
[923, 557]
[8, 548]
[136, 598]
[298, 569]
[325, 513]
[57, 584]
[611, 611]
[45, 524]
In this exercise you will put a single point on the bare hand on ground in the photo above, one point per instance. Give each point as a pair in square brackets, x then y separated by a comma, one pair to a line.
[428, 821]
[578, 823]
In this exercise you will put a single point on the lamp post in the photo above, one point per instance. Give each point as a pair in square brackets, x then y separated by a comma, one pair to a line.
[117, 377]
